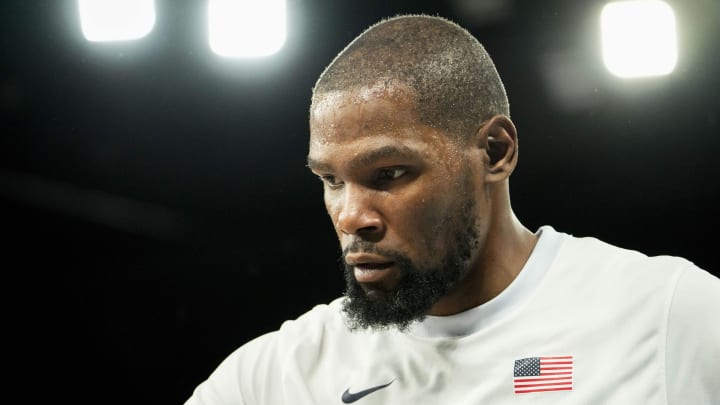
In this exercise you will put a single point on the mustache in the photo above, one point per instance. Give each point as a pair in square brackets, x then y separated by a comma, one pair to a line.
[361, 246]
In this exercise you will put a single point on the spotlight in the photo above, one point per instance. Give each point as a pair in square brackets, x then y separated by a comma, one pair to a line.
[116, 20]
[639, 38]
[246, 28]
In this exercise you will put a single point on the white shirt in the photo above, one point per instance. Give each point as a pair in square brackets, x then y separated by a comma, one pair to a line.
[583, 323]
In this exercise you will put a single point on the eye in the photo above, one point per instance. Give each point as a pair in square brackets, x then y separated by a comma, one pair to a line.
[331, 181]
[390, 173]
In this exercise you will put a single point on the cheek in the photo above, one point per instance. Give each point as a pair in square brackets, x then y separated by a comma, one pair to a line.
[438, 215]
[329, 205]
[427, 226]
[332, 207]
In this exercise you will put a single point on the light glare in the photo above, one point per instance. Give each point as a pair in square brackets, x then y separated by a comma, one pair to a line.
[639, 38]
[246, 28]
[116, 20]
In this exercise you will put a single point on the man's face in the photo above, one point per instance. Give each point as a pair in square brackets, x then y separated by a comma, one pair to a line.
[402, 199]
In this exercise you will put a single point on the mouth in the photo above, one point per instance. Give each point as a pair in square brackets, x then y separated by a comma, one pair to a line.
[368, 269]
[371, 272]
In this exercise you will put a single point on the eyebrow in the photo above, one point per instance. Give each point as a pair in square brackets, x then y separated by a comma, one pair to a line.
[369, 157]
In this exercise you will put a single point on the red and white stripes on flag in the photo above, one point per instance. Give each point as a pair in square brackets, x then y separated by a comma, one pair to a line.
[541, 374]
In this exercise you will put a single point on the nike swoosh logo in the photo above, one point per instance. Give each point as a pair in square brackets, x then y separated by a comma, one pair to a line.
[349, 398]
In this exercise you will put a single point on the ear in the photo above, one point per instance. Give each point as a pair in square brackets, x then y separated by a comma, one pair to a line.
[498, 137]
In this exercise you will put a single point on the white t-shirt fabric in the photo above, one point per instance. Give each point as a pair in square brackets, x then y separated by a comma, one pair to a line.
[584, 322]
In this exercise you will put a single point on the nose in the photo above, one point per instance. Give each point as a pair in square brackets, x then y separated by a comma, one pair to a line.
[358, 215]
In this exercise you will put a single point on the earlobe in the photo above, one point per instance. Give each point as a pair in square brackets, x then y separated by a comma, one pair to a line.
[501, 148]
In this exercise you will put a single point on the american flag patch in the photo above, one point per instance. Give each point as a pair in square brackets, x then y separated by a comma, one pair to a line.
[541, 374]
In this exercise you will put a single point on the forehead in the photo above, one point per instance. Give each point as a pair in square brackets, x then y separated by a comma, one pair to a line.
[370, 124]
[380, 109]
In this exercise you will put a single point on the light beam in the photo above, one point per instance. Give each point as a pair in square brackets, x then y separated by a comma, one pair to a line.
[639, 38]
[246, 28]
[116, 20]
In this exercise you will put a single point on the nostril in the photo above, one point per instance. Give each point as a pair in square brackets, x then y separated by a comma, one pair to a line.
[370, 233]
[368, 229]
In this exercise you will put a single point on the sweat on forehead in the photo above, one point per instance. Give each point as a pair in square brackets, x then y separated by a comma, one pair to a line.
[387, 88]
[382, 107]
[376, 107]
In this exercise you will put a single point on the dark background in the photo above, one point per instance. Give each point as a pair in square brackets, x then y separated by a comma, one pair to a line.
[156, 210]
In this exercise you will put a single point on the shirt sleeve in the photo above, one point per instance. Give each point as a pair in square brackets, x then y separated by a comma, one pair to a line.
[235, 381]
[693, 340]
[222, 386]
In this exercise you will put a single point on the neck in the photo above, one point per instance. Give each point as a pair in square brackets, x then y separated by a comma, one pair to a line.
[506, 248]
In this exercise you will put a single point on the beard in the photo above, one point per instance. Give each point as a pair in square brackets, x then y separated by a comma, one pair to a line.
[419, 287]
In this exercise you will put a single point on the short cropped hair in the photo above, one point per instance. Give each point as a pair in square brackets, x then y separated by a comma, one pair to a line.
[454, 80]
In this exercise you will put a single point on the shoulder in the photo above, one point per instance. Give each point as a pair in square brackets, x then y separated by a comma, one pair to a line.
[306, 330]
[324, 315]
[620, 278]
[596, 254]
[685, 294]
[240, 378]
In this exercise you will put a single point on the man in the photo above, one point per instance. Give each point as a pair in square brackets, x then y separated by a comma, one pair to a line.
[450, 299]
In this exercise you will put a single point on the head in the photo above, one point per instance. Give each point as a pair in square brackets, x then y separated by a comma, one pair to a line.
[411, 137]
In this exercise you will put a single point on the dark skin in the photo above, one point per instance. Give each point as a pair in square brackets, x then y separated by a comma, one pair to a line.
[391, 180]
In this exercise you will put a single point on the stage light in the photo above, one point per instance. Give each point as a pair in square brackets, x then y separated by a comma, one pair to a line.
[638, 38]
[116, 20]
[246, 28]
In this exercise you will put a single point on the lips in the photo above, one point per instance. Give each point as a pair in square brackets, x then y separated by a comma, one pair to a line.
[369, 268]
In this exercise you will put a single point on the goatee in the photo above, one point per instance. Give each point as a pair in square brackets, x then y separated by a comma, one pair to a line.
[419, 287]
